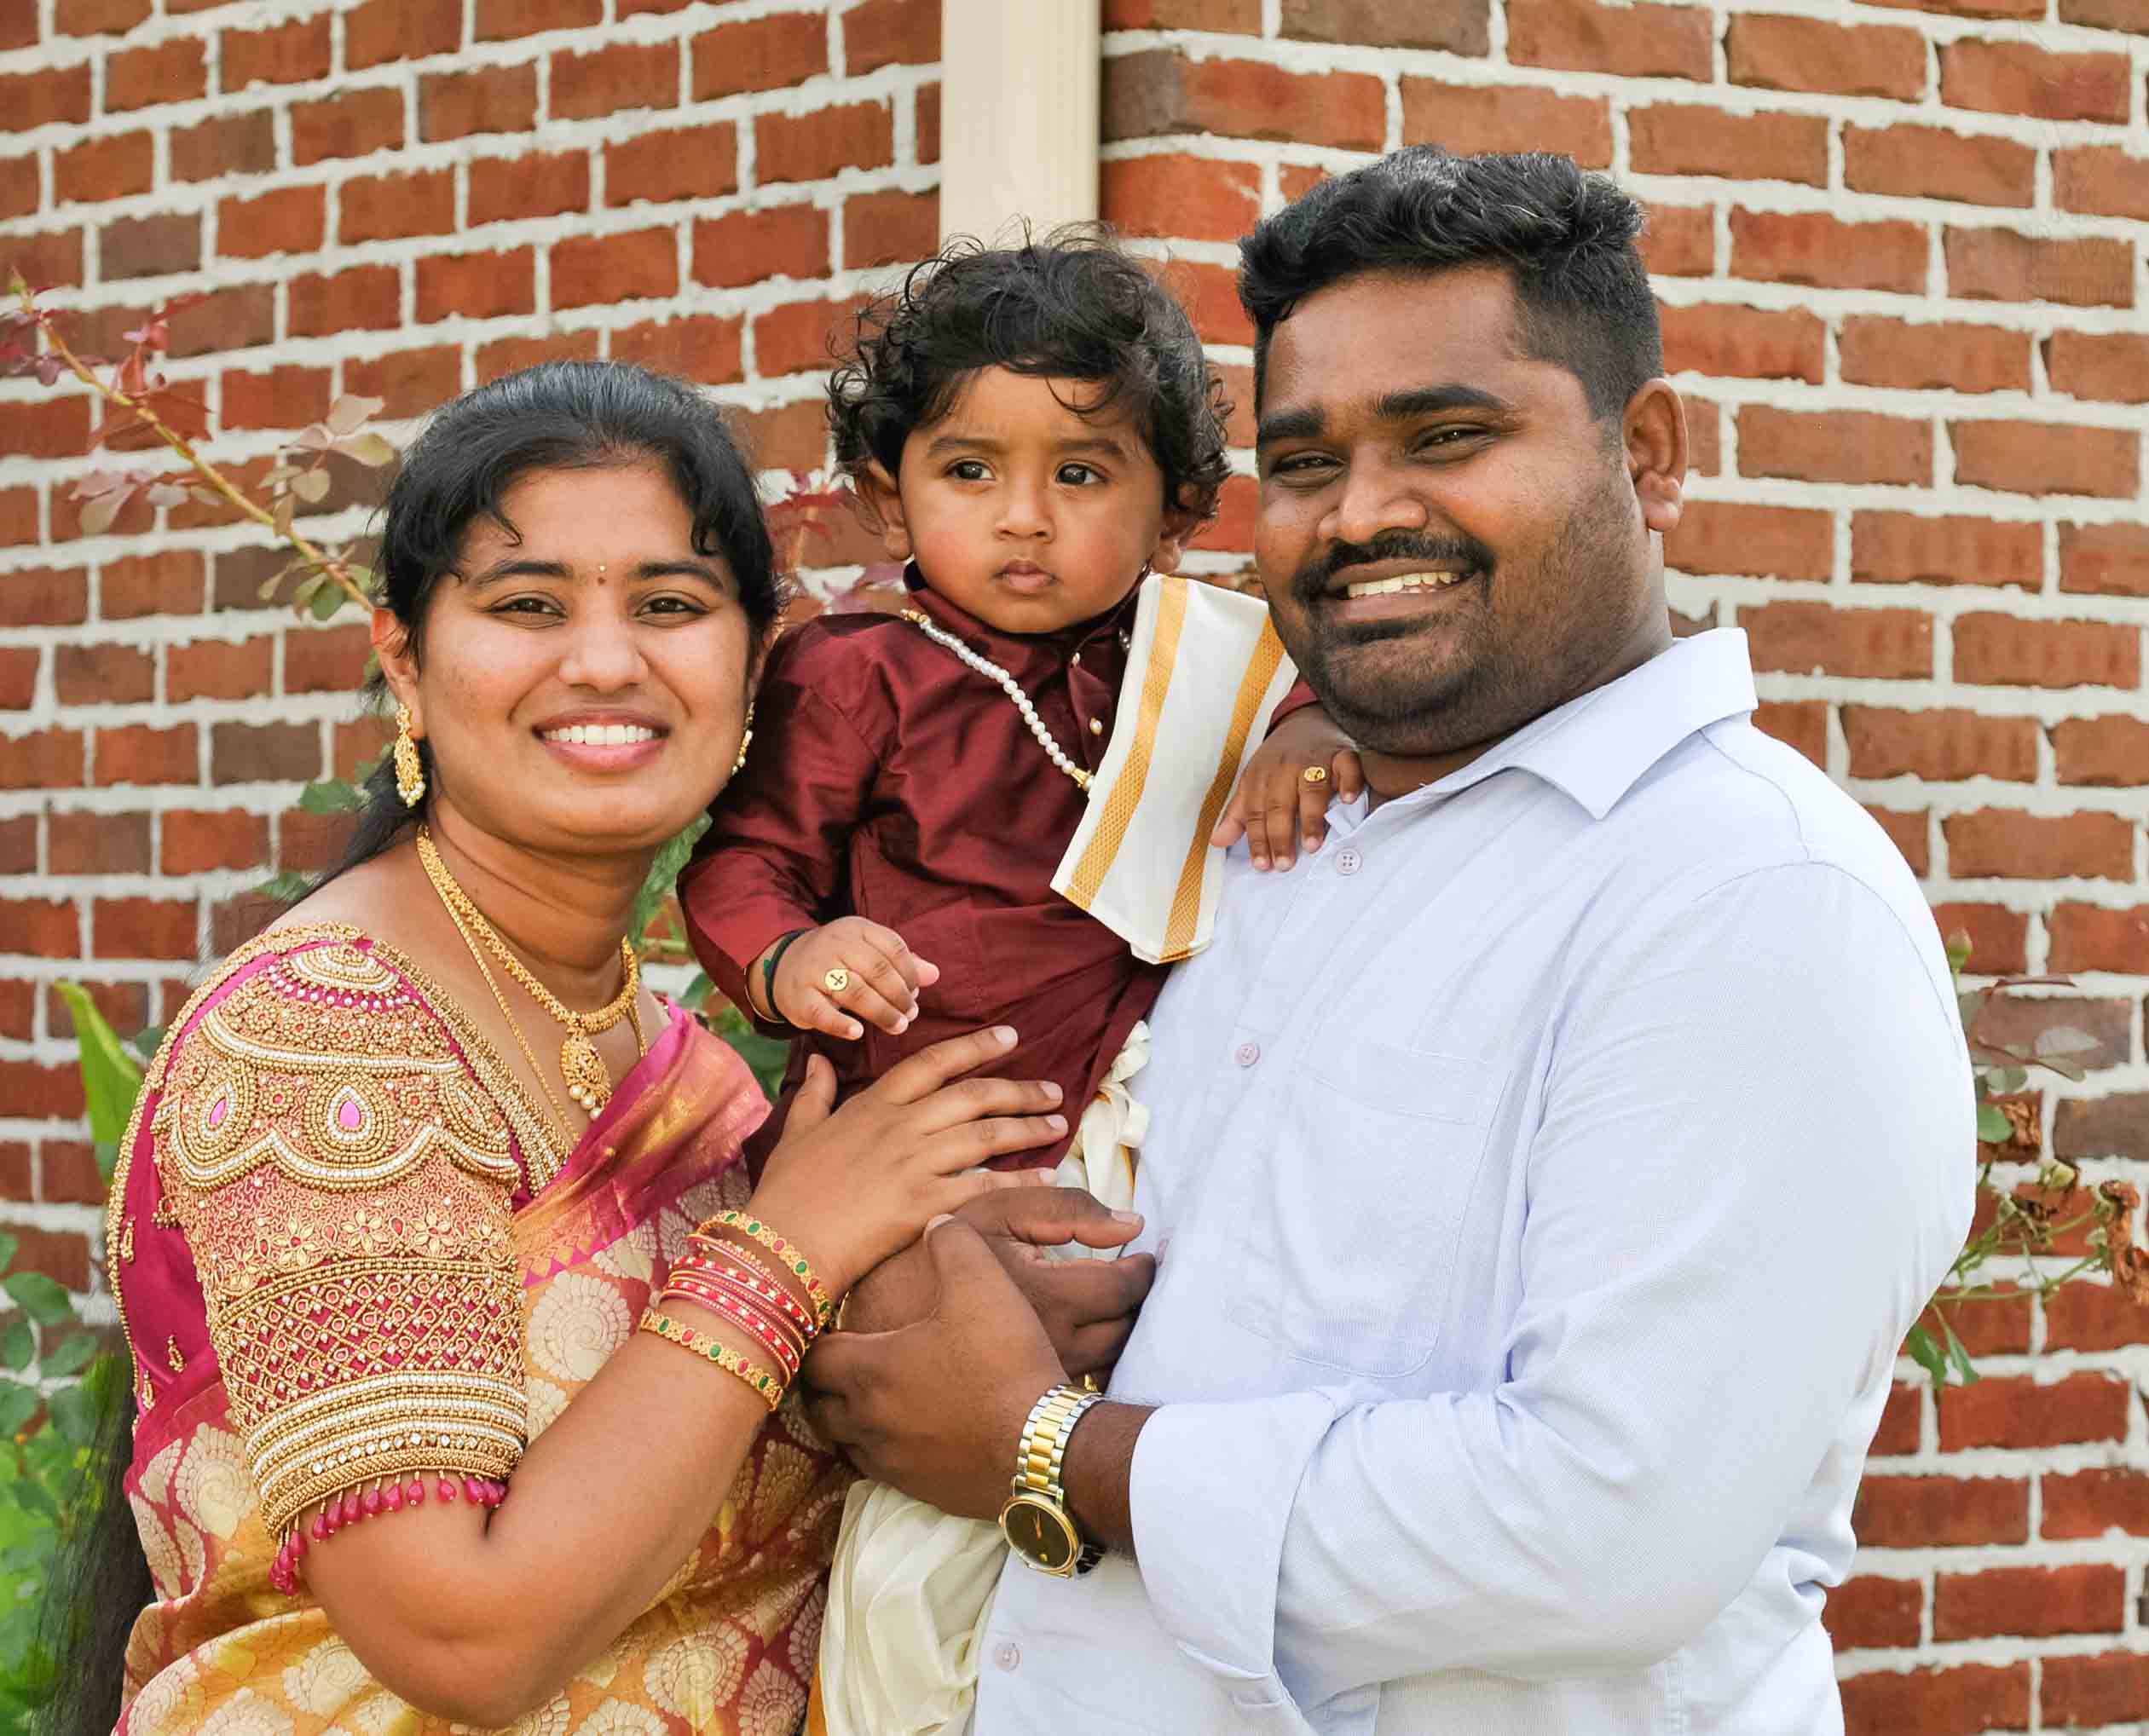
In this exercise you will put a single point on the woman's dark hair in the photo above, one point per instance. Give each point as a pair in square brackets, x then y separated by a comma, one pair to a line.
[1566, 237]
[557, 416]
[1073, 306]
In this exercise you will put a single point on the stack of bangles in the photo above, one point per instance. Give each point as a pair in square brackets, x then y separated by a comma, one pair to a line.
[725, 1271]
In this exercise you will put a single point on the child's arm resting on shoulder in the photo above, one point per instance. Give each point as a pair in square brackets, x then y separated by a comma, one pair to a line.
[1274, 803]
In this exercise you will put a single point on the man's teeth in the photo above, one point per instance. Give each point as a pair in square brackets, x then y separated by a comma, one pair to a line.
[601, 735]
[1407, 582]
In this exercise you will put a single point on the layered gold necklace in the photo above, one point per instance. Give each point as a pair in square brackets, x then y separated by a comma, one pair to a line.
[589, 1084]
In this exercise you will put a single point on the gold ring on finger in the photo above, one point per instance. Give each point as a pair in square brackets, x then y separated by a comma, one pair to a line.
[1315, 774]
[836, 981]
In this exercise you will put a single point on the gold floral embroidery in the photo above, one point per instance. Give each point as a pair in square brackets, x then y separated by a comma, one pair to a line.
[127, 1241]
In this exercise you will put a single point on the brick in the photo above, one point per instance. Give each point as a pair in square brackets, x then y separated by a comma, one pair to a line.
[45, 261]
[892, 32]
[2106, 15]
[2012, 77]
[18, 524]
[48, 928]
[1680, 241]
[1999, 941]
[2092, 937]
[1156, 91]
[2023, 1021]
[326, 658]
[171, 72]
[144, 754]
[1799, 724]
[1195, 198]
[2107, 1690]
[815, 145]
[508, 356]
[2092, 1503]
[90, 675]
[2003, 843]
[2001, 265]
[2086, 1599]
[759, 54]
[1810, 54]
[1945, 355]
[2110, 365]
[506, 20]
[2004, 650]
[287, 220]
[892, 227]
[1818, 638]
[688, 163]
[19, 845]
[1635, 42]
[2110, 560]
[281, 397]
[286, 54]
[40, 98]
[617, 78]
[264, 752]
[1768, 542]
[1903, 548]
[593, 269]
[1834, 446]
[61, 1254]
[1943, 747]
[2047, 458]
[1811, 247]
[409, 382]
[1922, 162]
[67, 1168]
[47, 759]
[379, 31]
[926, 115]
[1975, 9]
[791, 436]
[478, 286]
[388, 207]
[354, 124]
[1239, 17]
[226, 144]
[1210, 294]
[52, 427]
[2093, 1317]
[1873, 1611]
[367, 297]
[1688, 139]
[1726, 341]
[2111, 752]
[18, 676]
[156, 246]
[311, 842]
[18, 1020]
[143, 928]
[167, 583]
[1907, 1513]
[1962, 1700]
[220, 669]
[195, 843]
[2015, 1412]
[704, 348]
[1459, 26]
[20, 192]
[91, 18]
[749, 246]
[800, 336]
[489, 100]
[548, 184]
[1704, 437]
[111, 167]
[2105, 179]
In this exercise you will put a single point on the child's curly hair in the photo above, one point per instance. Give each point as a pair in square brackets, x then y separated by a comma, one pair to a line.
[1073, 306]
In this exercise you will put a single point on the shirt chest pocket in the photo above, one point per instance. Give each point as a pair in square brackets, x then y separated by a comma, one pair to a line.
[1352, 1239]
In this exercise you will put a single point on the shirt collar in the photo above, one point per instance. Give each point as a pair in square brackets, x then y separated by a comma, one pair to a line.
[1597, 747]
[1009, 650]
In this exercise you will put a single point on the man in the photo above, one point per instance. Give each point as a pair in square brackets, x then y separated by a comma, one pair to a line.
[1544, 1173]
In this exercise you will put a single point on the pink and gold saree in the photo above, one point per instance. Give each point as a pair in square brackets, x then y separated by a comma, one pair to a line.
[346, 1249]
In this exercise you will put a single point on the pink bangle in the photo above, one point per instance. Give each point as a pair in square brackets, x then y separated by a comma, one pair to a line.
[729, 1261]
[816, 1293]
[704, 1289]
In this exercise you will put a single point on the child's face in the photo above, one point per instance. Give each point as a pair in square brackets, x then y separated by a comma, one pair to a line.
[1024, 513]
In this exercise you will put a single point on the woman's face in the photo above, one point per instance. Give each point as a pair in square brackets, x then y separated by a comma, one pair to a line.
[583, 684]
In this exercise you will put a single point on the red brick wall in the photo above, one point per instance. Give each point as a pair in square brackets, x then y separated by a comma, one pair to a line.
[1901, 254]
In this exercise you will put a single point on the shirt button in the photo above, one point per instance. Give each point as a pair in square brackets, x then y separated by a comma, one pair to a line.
[1096, 726]
[1246, 1054]
[1007, 1655]
[1348, 861]
[1075, 661]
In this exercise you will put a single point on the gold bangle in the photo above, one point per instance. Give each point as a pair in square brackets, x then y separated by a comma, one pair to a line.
[794, 1262]
[768, 1386]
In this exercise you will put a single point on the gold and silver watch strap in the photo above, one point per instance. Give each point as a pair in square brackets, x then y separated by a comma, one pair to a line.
[1044, 1440]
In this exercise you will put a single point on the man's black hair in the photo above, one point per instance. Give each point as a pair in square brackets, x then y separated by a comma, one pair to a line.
[1566, 238]
[1073, 306]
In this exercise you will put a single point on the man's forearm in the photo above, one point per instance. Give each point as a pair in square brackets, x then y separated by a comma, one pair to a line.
[1098, 1473]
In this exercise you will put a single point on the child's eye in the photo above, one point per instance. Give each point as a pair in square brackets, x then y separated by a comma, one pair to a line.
[969, 470]
[1075, 475]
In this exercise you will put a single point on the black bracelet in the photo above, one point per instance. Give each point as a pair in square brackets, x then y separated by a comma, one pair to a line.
[769, 962]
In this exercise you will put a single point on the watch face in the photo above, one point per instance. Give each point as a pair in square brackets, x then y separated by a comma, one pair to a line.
[1040, 1533]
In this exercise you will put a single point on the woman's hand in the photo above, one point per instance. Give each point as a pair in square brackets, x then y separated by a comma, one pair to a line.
[1273, 802]
[851, 1187]
[880, 980]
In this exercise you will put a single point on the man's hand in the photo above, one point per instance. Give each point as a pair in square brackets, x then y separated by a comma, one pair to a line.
[1086, 1306]
[1273, 803]
[936, 1408]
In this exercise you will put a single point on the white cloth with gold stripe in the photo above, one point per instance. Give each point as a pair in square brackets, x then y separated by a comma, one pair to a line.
[1205, 674]
[911, 1585]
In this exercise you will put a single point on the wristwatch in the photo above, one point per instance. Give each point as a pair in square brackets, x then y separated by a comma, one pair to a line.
[1036, 1521]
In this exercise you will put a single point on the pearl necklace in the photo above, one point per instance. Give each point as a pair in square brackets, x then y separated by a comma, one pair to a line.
[992, 672]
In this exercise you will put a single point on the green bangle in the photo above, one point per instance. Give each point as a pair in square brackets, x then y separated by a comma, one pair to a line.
[774, 957]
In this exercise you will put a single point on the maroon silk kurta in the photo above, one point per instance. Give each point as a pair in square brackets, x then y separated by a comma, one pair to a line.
[889, 781]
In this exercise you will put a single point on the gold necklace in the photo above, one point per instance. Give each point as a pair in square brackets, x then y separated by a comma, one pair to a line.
[559, 1127]
[589, 1085]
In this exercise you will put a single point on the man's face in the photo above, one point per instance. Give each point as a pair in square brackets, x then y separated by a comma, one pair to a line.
[1451, 543]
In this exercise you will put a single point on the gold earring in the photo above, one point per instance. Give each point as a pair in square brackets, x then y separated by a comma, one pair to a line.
[745, 741]
[410, 769]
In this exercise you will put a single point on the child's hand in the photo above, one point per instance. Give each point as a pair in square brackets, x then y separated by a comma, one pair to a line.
[879, 979]
[1273, 800]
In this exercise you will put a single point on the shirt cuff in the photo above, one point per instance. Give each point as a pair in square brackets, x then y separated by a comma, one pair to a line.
[1211, 1495]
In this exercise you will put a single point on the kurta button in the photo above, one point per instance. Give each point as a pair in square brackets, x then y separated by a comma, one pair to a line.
[1348, 861]
[1096, 726]
[1007, 1655]
[1246, 1054]
[1075, 661]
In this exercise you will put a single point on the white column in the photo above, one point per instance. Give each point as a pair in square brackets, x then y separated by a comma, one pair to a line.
[1018, 114]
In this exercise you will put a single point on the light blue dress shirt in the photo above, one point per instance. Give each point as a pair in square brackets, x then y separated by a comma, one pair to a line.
[1542, 1177]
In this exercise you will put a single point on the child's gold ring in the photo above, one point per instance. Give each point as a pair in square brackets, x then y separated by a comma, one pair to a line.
[836, 981]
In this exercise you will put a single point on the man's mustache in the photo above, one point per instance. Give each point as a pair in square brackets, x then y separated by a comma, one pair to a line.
[1313, 579]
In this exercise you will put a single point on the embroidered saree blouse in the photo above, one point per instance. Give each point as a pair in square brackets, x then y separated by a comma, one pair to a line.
[345, 1250]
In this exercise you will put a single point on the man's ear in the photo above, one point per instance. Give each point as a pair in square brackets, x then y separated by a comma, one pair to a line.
[1654, 433]
[883, 504]
[398, 667]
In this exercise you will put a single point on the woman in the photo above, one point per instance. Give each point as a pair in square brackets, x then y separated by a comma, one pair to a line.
[413, 1164]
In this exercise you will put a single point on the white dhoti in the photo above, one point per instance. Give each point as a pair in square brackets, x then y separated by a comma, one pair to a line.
[911, 1586]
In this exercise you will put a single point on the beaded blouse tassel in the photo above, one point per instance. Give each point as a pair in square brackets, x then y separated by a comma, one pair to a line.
[355, 1504]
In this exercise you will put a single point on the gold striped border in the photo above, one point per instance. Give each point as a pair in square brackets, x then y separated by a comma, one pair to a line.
[1119, 807]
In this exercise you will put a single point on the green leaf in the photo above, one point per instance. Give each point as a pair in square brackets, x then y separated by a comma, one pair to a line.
[664, 872]
[111, 1077]
[285, 888]
[1994, 1128]
[39, 1297]
[18, 1344]
[69, 1357]
[327, 600]
[18, 1404]
[1958, 1357]
[2006, 1079]
[331, 795]
[146, 1042]
[1927, 1355]
[74, 1409]
[697, 994]
[37, 1498]
[7, 1245]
